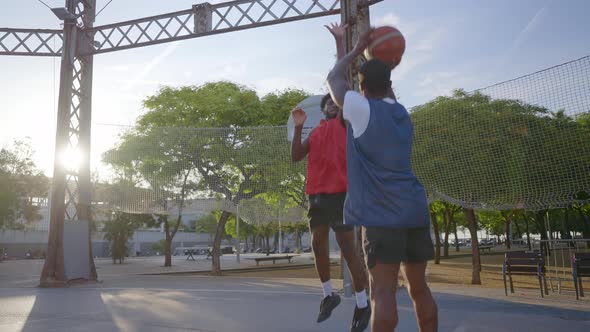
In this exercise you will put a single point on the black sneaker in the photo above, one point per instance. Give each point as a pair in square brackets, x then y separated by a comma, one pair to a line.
[361, 318]
[328, 304]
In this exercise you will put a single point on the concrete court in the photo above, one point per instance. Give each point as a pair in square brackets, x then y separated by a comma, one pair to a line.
[202, 303]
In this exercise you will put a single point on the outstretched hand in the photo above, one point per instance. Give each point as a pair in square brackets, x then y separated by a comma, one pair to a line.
[337, 30]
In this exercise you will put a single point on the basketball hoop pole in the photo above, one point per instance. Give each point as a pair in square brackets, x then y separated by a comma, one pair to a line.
[71, 189]
[357, 18]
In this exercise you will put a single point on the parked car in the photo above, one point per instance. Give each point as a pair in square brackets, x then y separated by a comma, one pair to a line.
[487, 242]
[227, 250]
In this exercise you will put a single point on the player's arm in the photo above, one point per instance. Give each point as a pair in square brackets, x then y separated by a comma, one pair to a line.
[299, 149]
[337, 78]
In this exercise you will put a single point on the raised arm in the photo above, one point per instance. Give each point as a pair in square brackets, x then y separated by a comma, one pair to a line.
[299, 149]
[337, 78]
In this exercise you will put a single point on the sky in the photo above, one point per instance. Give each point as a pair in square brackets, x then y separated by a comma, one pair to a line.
[450, 44]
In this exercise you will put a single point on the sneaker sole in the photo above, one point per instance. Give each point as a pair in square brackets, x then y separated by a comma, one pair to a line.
[329, 313]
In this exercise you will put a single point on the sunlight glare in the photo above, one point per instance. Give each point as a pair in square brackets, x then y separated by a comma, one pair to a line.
[71, 159]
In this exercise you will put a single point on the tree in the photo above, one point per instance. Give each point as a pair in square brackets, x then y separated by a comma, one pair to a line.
[435, 209]
[448, 213]
[159, 246]
[581, 209]
[118, 228]
[222, 161]
[276, 107]
[266, 231]
[475, 258]
[526, 217]
[161, 159]
[298, 229]
[9, 199]
[246, 230]
[36, 188]
[207, 224]
[492, 221]
[234, 163]
[23, 186]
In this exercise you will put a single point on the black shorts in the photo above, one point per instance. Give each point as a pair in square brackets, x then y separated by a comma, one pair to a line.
[395, 245]
[328, 209]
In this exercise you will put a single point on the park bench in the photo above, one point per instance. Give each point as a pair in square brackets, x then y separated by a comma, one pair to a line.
[580, 268]
[273, 258]
[485, 247]
[190, 252]
[524, 263]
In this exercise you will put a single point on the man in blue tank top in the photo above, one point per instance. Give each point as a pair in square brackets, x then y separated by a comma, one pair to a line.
[384, 196]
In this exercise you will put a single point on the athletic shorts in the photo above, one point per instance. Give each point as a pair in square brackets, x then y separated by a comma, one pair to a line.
[395, 245]
[328, 209]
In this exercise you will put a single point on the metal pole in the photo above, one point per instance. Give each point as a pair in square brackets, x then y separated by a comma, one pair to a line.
[53, 273]
[280, 232]
[71, 188]
[345, 17]
[84, 182]
[347, 282]
[238, 249]
[358, 22]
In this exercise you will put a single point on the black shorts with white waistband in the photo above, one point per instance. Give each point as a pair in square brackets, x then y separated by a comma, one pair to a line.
[386, 245]
[328, 209]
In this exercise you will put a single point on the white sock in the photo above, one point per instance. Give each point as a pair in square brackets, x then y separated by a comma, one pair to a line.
[361, 299]
[327, 287]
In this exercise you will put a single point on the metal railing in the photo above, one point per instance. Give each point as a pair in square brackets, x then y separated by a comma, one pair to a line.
[558, 255]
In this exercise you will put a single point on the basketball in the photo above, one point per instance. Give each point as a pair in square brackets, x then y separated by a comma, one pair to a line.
[387, 44]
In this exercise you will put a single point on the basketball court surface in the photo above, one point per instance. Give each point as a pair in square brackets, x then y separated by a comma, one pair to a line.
[201, 303]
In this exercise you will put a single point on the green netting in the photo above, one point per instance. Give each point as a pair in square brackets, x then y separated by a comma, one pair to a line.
[524, 143]
[192, 170]
[521, 144]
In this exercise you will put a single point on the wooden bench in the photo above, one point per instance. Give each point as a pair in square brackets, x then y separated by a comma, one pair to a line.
[580, 268]
[488, 248]
[273, 258]
[523, 263]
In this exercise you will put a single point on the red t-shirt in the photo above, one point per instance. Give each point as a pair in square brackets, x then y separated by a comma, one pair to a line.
[326, 162]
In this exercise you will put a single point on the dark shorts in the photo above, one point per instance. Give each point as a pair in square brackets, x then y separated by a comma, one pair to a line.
[328, 209]
[395, 245]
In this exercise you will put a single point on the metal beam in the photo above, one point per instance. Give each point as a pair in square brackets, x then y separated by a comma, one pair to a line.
[36, 42]
[206, 19]
[202, 20]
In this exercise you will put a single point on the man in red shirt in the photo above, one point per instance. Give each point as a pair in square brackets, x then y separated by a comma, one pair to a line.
[326, 187]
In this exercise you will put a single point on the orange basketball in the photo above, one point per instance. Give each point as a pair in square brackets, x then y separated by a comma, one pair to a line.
[387, 44]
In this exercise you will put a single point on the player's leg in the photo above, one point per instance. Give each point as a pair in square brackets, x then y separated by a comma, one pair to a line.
[420, 250]
[383, 282]
[320, 231]
[384, 251]
[362, 310]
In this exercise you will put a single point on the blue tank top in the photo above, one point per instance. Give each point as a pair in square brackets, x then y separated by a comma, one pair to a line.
[382, 188]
